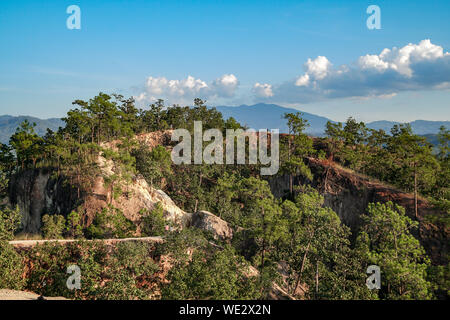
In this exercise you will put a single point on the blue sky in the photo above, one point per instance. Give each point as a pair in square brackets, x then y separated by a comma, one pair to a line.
[230, 53]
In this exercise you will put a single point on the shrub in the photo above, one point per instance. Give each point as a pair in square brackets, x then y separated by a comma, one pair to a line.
[53, 226]
[130, 273]
[111, 223]
[218, 275]
[125, 271]
[9, 223]
[11, 267]
[153, 223]
[48, 275]
[74, 228]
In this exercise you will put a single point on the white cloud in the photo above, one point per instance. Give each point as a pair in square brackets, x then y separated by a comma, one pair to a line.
[412, 67]
[372, 62]
[316, 69]
[175, 88]
[401, 59]
[185, 90]
[302, 81]
[262, 90]
[141, 97]
[225, 86]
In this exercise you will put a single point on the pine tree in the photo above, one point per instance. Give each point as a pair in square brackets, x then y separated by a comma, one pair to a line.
[299, 146]
[386, 235]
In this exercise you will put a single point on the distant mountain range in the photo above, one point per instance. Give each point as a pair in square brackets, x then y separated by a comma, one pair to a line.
[258, 116]
[8, 125]
[270, 116]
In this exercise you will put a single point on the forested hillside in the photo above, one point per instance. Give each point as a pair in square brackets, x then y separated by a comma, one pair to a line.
[227, 232]
[9, 124]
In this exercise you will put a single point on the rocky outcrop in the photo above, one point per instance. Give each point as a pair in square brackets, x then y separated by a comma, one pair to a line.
[207, 221]
[37, 192]
[136, 196]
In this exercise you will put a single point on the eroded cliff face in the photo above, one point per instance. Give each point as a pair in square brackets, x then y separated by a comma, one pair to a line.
[348, 194]
[36, 193]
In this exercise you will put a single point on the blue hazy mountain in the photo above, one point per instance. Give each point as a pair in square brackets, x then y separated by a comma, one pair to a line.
[8, 125]
[270, 116]
[420, 127]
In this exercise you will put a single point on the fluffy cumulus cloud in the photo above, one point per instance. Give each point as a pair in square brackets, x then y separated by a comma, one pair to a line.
[413, 67]
[262, 90]
[225, 86]
[185, 90]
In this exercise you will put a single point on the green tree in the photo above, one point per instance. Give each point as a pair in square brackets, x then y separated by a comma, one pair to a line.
[155, 118]
[154, 165]
[317, 251]
[444, 143]
[53, 226]
[110, 223]
[130, 272]
[389, 244]
[335, 134]
[74, 227]
[9, 223]
[218, 275]
[226, 194]
[153, 223]
[11, 267]
[299, 146]
[27, 145]
[7, 165]
[261, 215]
[414, 165]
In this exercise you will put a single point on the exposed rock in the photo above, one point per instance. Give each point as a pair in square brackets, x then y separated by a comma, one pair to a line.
[36, 193]
[207, 221]
[137, 196]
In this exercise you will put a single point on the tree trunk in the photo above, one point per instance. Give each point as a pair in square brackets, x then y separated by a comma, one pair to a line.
[291, 187]
[262, 255]
[317, 278]
[301, 268]
[415, 193]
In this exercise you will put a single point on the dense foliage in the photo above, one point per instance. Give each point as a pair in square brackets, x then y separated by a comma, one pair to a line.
[295, 241]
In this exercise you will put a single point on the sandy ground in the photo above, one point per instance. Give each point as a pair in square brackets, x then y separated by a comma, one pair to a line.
[6, 294]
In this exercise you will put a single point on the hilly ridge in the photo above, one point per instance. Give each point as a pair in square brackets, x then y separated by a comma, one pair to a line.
[261, 116]
[8, 125]
[258, 116]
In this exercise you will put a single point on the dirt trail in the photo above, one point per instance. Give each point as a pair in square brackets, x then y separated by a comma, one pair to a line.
[7, 294]
[31, 243]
